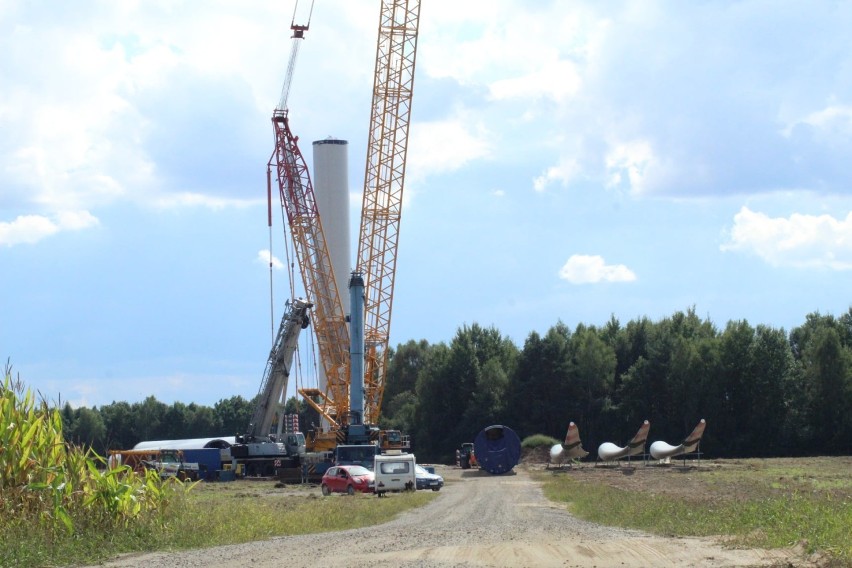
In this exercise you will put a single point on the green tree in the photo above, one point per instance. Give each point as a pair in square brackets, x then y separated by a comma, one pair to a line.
[89, 430]
[771, 365]
[447, 389]
[148, 419]
[592, 373]
[120, 426]
[437, 401]
[539, 387]
[404, 364]
[174, 424]
[234, 414]
[401, 412]
[488, 405]
[201, 422]
[827, 372]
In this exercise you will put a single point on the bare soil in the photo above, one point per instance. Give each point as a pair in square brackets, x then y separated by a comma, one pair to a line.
[482, 520]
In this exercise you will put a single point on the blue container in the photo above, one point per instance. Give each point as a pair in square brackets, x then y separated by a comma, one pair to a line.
[209, 461]
[498, 449]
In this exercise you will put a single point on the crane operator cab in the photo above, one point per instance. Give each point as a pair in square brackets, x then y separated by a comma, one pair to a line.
[294, 443]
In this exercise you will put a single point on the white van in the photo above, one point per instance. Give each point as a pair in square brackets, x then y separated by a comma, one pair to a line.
[394, 472]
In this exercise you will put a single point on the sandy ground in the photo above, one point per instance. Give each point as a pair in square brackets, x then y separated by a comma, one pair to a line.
[478, 520]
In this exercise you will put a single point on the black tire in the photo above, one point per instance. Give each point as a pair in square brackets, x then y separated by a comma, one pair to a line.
[350, 490]
[436, 489]
[325, 490]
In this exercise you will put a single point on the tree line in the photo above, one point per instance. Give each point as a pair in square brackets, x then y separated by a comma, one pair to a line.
[763, 392]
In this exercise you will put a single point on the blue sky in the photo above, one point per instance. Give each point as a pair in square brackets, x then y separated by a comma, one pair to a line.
[568, 161]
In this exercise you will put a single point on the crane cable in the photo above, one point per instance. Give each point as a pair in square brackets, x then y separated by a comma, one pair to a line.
[298, 34]
[296, 370]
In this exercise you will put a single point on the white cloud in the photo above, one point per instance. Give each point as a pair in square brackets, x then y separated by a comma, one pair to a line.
[514, 49]
[800, 241]
[564, 172]
[833, 119]
[187, 199]
[629, 160]
[266, 258]
[445, 145]
[696, 96]
[84, 90]
[556, 80]
[29, 229]
[76, 220]
[588, 269]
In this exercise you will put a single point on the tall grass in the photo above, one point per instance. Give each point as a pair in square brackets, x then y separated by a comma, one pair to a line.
[820, 520]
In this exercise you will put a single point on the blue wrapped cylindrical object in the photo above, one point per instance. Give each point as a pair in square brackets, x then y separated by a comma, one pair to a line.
[497, 448]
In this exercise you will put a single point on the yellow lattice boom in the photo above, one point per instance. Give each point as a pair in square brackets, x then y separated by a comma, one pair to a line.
[381, 208]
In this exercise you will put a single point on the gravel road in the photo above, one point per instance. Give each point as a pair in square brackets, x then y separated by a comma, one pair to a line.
[478, 520]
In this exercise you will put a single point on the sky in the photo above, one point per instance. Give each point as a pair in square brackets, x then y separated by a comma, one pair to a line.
[568, 161]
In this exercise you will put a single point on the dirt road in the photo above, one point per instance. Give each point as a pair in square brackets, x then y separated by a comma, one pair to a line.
[478, 520]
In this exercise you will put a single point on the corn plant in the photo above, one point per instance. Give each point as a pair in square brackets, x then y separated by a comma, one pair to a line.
[43, 480]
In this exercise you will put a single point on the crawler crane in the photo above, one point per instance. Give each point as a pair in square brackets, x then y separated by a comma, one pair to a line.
[300, 209]
[377, 249]
[393, 84]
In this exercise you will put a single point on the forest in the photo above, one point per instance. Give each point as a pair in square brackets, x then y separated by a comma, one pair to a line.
[764, 392]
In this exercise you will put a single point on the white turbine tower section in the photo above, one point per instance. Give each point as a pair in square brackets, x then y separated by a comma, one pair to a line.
[331, 189]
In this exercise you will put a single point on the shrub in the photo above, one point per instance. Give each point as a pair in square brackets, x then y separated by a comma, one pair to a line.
[538, 441]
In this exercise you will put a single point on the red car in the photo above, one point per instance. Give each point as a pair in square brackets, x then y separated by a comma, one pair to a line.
[348, 479]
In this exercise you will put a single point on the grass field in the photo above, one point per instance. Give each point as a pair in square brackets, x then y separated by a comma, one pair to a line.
[215, 513]
[768, 503]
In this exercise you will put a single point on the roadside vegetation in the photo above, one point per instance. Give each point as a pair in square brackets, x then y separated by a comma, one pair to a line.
[60, 505]
[230, 513]
[537, 441]
[750, 503]
[58, 502]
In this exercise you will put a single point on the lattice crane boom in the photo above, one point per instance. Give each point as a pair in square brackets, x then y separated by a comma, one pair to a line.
[299, 205]
[393, 84]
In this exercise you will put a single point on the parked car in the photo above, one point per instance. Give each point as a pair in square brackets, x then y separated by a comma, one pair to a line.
[426, 480]
[347, 479]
